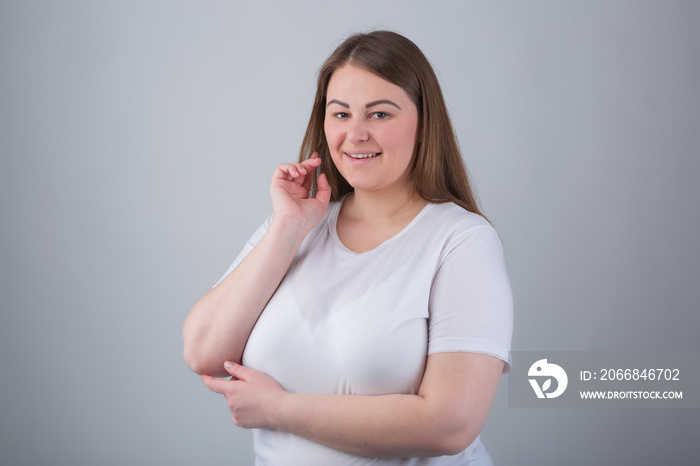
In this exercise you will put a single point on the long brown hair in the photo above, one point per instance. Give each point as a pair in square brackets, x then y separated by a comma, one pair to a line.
[438, 172]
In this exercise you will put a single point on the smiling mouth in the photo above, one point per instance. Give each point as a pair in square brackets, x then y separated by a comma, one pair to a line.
[363, 156]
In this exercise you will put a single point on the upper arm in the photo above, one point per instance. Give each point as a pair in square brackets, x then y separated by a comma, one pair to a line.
[471, 305]
[460, 387]
[470, 328]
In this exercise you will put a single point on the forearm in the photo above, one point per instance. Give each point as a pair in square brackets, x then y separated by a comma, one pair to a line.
[443, 418]
[218, 326]
[381, 426]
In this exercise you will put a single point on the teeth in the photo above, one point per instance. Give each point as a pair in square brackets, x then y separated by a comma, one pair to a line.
[362, 156]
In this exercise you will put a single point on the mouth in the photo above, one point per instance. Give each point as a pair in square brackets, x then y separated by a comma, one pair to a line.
[367, 155]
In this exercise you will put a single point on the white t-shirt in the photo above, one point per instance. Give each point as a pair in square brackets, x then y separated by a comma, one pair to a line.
[363, 323]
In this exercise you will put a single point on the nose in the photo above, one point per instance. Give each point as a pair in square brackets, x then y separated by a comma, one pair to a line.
[358, 131]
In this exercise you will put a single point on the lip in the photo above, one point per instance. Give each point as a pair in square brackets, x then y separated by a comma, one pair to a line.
[364, 159]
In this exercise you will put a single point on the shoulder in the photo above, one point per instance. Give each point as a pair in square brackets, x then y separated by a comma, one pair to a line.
[456, 232]
[455, 221]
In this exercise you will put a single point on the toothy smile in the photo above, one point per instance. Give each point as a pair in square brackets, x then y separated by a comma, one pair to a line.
[363, 156]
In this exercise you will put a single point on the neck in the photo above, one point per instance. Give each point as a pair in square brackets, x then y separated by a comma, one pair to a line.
[384, 205]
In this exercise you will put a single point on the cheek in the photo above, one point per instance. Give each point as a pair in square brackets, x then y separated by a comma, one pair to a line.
[333, 135]
[409, 138]
[398, 140]
[332, 140]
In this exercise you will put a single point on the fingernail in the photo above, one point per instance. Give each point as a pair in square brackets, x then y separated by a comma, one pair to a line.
[228, 364]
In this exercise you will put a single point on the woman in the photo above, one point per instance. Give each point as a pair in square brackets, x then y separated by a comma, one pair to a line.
[373, 305]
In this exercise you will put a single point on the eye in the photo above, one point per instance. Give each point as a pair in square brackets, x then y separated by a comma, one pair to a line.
[380, 115]
[340, 115]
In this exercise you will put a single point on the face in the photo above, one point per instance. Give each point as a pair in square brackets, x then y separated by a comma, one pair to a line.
[371, 127]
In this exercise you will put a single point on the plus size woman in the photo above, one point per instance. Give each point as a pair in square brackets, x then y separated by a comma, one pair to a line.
[369, 319]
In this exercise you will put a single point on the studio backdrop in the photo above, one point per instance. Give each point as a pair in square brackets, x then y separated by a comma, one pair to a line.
[137, 142]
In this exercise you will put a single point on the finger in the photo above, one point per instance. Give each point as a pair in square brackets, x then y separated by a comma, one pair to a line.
[288, 171]
[308, 179]
[238, 371]
[293, 171]
[314, 155]
[293, 188]
[324, 190]
[216, 385]
[311, 164]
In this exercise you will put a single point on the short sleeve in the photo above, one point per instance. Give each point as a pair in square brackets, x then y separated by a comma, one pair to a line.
[471, 303]
[249, 245]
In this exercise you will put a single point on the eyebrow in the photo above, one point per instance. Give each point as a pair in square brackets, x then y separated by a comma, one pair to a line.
[382, 101]
[336, 101]
[371, 104]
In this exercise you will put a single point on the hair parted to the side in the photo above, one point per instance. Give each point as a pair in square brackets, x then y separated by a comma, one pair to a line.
[438, 172]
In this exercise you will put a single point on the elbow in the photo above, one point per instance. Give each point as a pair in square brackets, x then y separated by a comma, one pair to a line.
[203, 362]
[193, 360]
[453, 435]
[444, 444]
[191, 353]
[456, 442]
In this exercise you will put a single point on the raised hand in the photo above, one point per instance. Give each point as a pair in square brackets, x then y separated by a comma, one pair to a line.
[289, 190]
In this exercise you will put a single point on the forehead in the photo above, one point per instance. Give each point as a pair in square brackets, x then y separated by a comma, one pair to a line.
[350, 83]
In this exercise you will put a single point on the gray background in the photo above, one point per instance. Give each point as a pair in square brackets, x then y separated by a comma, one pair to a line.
[138, 140]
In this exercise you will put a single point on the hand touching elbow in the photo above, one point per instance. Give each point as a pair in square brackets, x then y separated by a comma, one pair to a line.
[444, 418]
[218, 326]
[253, 398]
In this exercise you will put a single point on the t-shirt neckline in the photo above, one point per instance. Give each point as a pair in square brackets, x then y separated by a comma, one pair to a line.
[332, 226]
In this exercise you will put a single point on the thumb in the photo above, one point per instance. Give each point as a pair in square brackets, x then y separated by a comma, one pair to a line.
[236, 370]
[324, 190]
